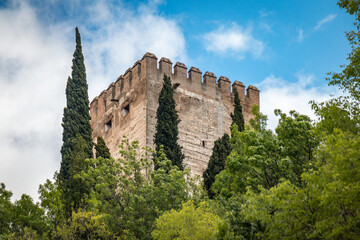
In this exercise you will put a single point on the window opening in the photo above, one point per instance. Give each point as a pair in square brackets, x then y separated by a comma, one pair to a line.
[203, 143]
[126, 110]
[107, 126]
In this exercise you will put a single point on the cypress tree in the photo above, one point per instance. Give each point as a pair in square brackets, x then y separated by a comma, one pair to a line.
[237, 117]
[216, 164]
[76, 121]
[166, 134]
[101, 149]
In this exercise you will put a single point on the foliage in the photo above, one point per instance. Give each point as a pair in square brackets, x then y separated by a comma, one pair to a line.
[5, 211]
[298, 142]
[326, 205]
[76, 122]
[26, 214]
[74, 190]
[190, 222]
[216, 164]
[260, 160]
[166, 134]
[101, 149]
[237, 117]
[22, 219]
[84, 225]
[131, 195]
[50, 197]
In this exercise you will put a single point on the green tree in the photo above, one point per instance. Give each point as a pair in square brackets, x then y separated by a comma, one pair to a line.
[84, 225]
[76, 123]
[326, 205]
[237, 117]
[190, 222]
[5, 211]
[298, 143]
[101, 149]
[130, 194]
[28, 217]
[221, 151]
[50, 197]
[166, 134]
[260, 160]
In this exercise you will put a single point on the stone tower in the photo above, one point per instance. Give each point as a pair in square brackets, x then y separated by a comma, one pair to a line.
[128, 107]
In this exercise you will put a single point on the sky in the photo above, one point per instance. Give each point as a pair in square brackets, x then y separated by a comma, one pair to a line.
[285, 48]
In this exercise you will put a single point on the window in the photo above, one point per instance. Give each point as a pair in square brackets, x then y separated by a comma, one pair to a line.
[203, 143]
[107, 126]
[126, 110]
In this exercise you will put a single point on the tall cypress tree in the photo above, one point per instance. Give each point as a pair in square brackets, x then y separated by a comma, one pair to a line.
[237, 117]
[101, 149]
[76, 120]
[216, 164]
[166, 134]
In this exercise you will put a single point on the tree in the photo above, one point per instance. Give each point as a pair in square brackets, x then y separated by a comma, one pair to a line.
[5, 211]
[50, 197]
[130, 194]
[237, 117]
[28, 217]
[84, 225]
[101, 149]
[76, 120]
[326, 205]
[221, 151]
[261, 160]
[166, 134]
[190, 222]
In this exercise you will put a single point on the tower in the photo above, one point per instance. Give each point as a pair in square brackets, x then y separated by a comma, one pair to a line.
[128, 107]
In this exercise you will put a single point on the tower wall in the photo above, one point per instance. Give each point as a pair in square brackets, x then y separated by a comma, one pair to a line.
[204, 104]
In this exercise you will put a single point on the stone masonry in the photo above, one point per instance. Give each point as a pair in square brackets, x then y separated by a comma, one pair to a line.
[128, 107]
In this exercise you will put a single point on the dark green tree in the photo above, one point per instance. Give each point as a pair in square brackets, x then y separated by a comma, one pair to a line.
[5, 211]
[221, 151]
[237, 117]
[76, 122]
[101, 149]
[167, 125]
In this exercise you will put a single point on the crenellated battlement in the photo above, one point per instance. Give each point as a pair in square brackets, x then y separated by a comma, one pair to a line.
[193, 80]
[203, 101]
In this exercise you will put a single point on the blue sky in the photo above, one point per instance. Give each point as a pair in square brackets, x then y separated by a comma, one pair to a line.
[283, 47]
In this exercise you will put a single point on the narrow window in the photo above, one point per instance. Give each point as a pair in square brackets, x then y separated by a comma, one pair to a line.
[107, 126]
[113, 92]
[126, 110]
[203, 143]
[130, 79]
[139, 69]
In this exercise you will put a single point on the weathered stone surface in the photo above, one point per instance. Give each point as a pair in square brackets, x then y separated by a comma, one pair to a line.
[204, 108]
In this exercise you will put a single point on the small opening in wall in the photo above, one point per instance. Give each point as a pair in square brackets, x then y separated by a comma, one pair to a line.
[107, 126]
[203, 143]
[126, 110]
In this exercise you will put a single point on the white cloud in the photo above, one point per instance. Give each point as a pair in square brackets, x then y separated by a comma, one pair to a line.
[300, 37]
[277, 93]
[35, 60]
[327, 19]
[234, 41]
[124, 37]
